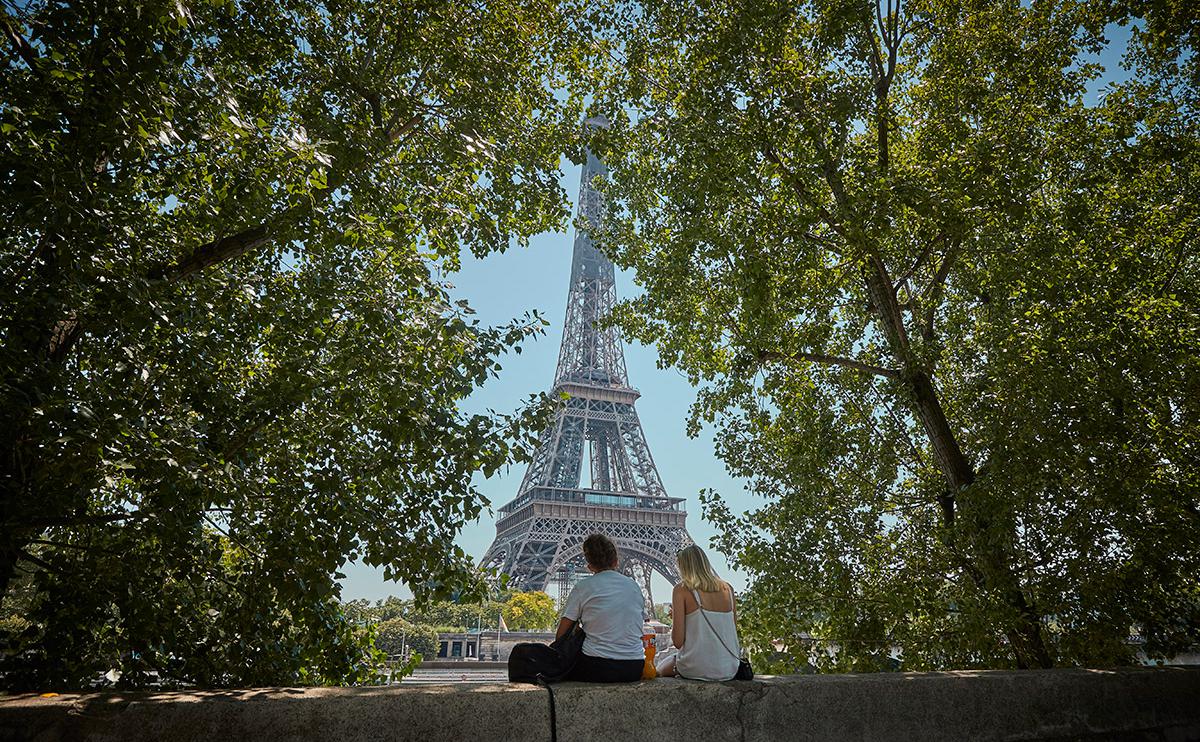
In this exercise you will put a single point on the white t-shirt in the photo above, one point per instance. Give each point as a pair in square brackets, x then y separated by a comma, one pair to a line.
[609, 605]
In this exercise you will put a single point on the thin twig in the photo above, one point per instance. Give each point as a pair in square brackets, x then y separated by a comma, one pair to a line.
[891, 373]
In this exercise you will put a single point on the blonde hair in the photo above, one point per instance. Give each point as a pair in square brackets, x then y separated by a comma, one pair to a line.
[696, 572]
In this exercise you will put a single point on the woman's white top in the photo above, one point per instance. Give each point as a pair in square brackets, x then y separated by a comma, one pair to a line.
[703, 656]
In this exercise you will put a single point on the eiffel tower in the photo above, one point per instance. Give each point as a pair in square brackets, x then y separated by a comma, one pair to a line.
[539, 534]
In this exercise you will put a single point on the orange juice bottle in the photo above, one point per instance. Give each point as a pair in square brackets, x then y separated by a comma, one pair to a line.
[649, 672]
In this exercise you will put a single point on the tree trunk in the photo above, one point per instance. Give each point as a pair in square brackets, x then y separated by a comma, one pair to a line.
[1028, 645]
[10, 554]
[949, 457]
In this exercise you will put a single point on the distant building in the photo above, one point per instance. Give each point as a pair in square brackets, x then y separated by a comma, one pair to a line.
[493, 646]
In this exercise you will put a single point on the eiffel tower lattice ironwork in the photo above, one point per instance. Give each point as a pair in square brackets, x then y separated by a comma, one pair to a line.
[539, 534]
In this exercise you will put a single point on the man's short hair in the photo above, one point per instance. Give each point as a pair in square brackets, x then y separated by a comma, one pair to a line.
[599, 551]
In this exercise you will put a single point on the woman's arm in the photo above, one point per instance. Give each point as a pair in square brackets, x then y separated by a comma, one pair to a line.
[732, 602]
[678, 616]
[564, 625]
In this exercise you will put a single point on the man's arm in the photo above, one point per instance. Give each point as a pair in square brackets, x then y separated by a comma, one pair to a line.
[564, 625]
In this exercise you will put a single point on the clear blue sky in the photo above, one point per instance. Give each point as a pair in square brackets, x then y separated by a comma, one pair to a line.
[505, 285]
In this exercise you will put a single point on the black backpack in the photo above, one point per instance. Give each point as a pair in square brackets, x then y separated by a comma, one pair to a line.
[531, 662]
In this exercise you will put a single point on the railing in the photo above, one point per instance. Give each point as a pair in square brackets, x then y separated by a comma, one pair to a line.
[602, 498]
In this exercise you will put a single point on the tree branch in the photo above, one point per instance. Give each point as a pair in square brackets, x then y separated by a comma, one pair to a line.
[767, 355]
[919, 261]
[70, 520]
[1174, 270]
[396, 133]
[870, 418]
[24, 553]
[935, 290]
[372, 99]
[791, 179]
[900, 425]
[26, 52]
[211, 253]
[228, 533]
[235, 245]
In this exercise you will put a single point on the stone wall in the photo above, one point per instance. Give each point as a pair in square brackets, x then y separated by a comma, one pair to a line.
[1148, 704]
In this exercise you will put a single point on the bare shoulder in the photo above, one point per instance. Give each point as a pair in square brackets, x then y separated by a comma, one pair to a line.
[683, 594]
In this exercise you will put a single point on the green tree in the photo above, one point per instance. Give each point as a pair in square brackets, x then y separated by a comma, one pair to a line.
[396, 636]
[443, 615]
[942, 311]
[662, 613]
[362, 612]
[229, 359]
[449, 616]
[531, 610]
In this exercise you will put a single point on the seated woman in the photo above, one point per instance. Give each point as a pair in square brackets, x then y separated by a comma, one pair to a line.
[704, 626]
[609, 605]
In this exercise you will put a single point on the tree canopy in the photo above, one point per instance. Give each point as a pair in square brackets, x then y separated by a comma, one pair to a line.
[396, 625]
[530, 611]
[942, 306]
[229, 356]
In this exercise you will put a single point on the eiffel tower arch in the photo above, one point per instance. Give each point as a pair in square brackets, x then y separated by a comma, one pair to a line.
[592, 471]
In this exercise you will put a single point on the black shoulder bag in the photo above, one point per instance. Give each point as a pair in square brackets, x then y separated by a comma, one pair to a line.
[744, 671]
[530, 662]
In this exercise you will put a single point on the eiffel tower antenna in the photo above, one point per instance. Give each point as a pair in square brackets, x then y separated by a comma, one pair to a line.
[540, 533]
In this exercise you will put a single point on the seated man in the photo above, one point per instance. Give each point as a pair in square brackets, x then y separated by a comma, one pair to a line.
[609, 605]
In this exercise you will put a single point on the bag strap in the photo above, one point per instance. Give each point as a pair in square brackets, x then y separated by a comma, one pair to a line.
[736, 656]
[541, 680]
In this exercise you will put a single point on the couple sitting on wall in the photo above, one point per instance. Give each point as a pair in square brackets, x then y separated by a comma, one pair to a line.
[609, 607]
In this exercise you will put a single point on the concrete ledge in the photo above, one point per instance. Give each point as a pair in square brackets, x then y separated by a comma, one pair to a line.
[1148, 704]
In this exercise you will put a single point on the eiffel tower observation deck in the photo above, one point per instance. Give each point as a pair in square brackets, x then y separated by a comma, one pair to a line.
[592, 471]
